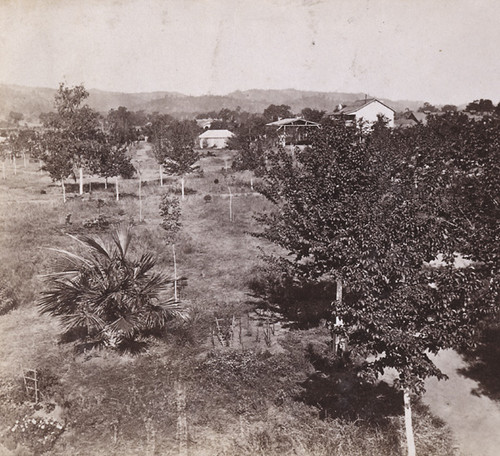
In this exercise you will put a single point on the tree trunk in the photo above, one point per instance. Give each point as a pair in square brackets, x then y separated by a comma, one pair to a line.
[15, 165]
[63, 190]
[161, 176]
[182, 187]
[105, 183]
[81, 181]
[40, 163]
[337, 340]
[3, 170]
[408, 423]
[24, 159]
[251, 184]
[117, 190]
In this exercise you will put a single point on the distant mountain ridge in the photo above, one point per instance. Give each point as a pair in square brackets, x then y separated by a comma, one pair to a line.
[31, 101]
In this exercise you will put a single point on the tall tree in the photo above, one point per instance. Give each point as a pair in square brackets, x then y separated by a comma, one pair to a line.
[480, 106]
[372, 213]
[72, 135]
[121, 125]
[275, 112]
[173, 148]
[314, 115]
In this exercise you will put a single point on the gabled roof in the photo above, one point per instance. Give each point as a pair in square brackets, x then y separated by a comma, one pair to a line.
[354, 107]
[293, 122]
[420, 117]
[216, 134]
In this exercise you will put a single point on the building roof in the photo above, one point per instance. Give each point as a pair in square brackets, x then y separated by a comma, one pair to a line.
[354, 107]
[214, 134]
[420, 117]
[293, 122]
[204, 123]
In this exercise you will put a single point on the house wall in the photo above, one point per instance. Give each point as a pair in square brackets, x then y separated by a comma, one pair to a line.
[370, 113]
[209, 143]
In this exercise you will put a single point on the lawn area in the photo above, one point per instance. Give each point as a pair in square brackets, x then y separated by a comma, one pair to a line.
[270, 390]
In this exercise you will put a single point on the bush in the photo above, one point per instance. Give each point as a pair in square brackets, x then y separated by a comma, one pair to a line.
[98, 223]
[170, 212]
[8, 299]
[37, 434]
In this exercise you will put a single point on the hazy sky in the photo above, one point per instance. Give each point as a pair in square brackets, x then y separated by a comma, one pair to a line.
[432, 50]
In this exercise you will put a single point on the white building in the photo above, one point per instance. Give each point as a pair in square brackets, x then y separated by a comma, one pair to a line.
[215, 138]
[367, 110]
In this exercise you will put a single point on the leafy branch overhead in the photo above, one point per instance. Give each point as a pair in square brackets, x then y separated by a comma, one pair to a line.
[375, 210]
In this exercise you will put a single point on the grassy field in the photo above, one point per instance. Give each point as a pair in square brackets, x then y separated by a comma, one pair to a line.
[273, 391]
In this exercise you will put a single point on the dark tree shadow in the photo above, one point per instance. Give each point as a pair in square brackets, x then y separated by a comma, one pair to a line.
[484, 363]
[337, 390]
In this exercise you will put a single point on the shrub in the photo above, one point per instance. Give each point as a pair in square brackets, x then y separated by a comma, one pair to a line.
[8, 299]
[98, 223]
[37, 434]
[170, 212]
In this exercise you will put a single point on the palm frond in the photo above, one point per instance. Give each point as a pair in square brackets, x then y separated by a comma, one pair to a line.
[124, 326]
[122, 238]
[83, 319]
[95, 243]
[72, 257]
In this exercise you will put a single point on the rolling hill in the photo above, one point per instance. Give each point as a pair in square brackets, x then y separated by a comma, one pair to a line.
[31, 101]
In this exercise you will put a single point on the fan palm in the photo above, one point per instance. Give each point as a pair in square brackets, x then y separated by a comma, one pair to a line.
[104, 297]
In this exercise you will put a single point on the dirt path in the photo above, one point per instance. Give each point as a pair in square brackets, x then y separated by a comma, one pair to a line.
[473, 418]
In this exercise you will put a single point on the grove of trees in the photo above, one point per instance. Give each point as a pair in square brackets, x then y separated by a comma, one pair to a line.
[388, 218]
[74, 138]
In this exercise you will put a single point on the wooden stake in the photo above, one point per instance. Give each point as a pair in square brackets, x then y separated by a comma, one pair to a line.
[64, 190]
[117, 190]
[175, 274]
[230, 205]
[182, 187]
[140, 198]
[161, 175]
[3, 170]
[15, 166]
[81, 181]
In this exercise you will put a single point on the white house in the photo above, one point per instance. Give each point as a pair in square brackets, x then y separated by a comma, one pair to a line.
[215, 138]
[367, 110]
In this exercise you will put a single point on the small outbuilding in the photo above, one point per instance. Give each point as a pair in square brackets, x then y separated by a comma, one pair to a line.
[293, 131]
[215, 139]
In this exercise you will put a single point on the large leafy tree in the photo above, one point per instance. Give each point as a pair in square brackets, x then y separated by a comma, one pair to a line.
[275, 112]
[105, 298]
[121, 126]
[72, 136]
[482, 105]
[372, 212]
[173, 148]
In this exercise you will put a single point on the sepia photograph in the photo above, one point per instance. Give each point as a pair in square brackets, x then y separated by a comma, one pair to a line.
[250, 227]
